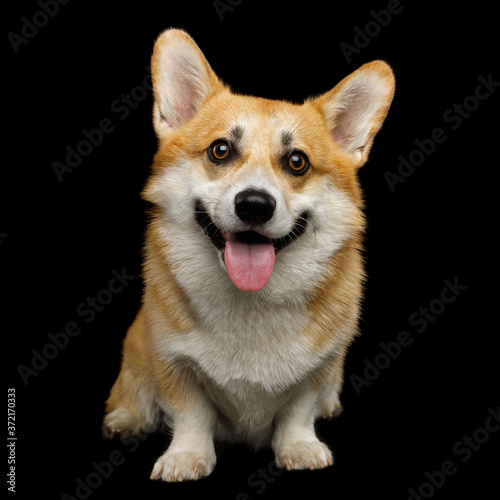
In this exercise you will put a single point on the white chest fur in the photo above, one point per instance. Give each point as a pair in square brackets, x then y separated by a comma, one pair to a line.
[263, 347]
[250, 366]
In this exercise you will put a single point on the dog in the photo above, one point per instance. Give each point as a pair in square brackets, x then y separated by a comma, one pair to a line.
[253, 270]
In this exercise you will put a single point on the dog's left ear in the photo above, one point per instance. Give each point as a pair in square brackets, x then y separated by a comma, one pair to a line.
[356, 107]
[182, 80]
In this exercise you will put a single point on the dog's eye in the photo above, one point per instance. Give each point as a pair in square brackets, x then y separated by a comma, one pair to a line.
[298, 163]
[219, 150]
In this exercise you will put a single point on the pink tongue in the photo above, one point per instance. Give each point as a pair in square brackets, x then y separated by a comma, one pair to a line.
[249, 265]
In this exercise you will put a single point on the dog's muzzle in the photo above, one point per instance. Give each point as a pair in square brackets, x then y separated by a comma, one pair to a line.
[249, 256]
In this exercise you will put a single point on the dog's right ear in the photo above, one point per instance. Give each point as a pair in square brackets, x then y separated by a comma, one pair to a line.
[182, 80]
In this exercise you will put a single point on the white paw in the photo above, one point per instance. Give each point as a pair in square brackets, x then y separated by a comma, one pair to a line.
[304, 455]
[121, 421]
[183, 465]
[330, 407]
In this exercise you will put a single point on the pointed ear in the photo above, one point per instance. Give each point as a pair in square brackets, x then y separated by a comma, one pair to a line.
[182, 80]
[357, 106]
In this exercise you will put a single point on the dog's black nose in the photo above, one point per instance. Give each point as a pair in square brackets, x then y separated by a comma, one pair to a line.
[254, 207]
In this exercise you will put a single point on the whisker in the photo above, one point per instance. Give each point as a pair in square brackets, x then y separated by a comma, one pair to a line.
[172, 224]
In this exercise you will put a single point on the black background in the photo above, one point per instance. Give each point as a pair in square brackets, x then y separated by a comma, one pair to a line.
[61, 240]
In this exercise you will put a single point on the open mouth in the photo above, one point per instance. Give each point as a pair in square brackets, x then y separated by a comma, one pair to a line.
[248, 255]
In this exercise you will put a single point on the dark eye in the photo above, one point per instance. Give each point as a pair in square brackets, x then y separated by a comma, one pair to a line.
[219, 151]
[298, 163]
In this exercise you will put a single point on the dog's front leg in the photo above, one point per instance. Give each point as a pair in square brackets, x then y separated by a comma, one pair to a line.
[191, 453]
[294, 442]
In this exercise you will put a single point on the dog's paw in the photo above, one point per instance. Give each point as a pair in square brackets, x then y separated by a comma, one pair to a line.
[330, 410]
[330, 407]
[183, 465]
[121, 421]
[304, 455]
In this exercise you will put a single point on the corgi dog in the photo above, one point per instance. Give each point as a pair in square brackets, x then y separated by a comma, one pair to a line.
[252, 270]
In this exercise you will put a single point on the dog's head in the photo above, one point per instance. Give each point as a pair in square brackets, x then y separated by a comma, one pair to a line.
[270, 187]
